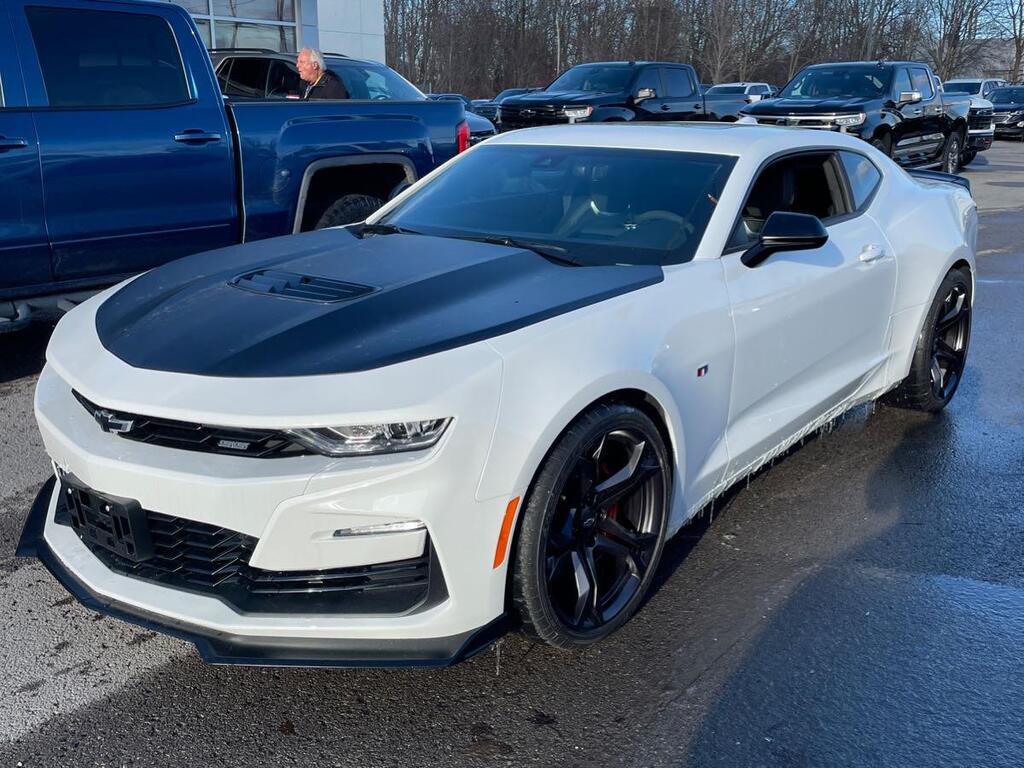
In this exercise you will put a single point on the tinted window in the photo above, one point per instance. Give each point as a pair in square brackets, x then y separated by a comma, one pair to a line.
[594, 77]
[648, 78]
[922, 82]
[1012, 95]
[902, 82]
[862, 175]
[728, 89]
[677, 82]
[867, 82]
[248, 78]
[804, 183]
[762, 89]
[372, 81]
[105, 59]
[594, 205]
[284, 81]
[962, 86]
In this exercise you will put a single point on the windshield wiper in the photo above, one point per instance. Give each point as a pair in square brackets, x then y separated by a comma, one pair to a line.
[549, 252]
[384, 229]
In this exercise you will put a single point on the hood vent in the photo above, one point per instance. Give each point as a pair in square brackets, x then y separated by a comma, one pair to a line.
[291, 285]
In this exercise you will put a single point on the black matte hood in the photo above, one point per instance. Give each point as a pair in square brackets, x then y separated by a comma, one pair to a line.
[367, 302]
[832, 105]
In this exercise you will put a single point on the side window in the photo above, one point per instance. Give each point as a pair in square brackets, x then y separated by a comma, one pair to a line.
[648, 78]
[107, 59]
[677, 82]
[901, 83]
[862, 175]
[804, 183]
[284, 81]
[223, 71]
[248, 78]
[922, 82]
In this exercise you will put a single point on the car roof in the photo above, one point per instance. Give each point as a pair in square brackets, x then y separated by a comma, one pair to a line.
[712, 138]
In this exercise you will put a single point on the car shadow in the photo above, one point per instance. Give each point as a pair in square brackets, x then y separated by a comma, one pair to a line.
[23, 353]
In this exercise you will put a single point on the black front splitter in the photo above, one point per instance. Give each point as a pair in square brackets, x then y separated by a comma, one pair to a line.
[224, 648]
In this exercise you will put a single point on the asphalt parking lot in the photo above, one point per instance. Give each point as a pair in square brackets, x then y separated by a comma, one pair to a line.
[860, 603]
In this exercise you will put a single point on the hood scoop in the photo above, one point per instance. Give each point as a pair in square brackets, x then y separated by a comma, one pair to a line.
[292, 285]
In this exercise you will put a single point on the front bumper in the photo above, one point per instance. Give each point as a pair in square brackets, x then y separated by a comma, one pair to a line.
[980, 139]
[227, 648]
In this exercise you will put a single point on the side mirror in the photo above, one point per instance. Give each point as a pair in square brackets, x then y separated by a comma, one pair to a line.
[910, 97]
[645, 93]
[786, 231]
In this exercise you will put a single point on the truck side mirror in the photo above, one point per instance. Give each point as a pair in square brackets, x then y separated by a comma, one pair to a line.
[910, 97]
[645, 93]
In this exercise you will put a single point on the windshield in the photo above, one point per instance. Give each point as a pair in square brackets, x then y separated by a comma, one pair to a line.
[1014, 95]
[373, 81]
[869, 82]
[962, 86]
[591, 205]
[727, 89]
[594, 77]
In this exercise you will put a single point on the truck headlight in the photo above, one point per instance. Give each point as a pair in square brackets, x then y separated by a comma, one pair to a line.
[845, 121]
[578, 113]
[370, 439]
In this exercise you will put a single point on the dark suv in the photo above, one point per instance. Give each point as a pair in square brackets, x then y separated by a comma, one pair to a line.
[618, 91]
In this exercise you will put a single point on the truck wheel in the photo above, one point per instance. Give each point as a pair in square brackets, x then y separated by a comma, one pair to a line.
[951, 153]
[969, 155]
[348, 210]
[883, 144]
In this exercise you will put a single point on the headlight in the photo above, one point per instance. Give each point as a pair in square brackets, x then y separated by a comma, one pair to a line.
[369, 439]
[578, 113]
[846, 121]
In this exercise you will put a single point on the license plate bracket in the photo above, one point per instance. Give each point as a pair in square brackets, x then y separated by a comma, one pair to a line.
[114, 523]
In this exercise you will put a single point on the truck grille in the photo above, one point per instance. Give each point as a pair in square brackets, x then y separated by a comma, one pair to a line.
[189, 436]
[979, 119]
[821, 122]
[214, 561]
[523, 116]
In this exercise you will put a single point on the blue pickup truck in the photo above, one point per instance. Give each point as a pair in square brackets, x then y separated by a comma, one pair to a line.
[118, 151]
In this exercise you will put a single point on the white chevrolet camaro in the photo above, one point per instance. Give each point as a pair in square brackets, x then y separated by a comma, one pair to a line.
[493, 403]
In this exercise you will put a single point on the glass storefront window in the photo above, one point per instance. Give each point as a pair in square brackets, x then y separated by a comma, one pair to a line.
[268, 24]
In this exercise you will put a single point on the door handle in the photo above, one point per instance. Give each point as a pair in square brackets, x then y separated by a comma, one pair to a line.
[197, 137]
[872, 253]
[665, 107]
[6, 143]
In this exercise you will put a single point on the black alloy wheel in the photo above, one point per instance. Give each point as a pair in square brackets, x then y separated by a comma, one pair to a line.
[937, 367]
[949, 343]
[593, 527]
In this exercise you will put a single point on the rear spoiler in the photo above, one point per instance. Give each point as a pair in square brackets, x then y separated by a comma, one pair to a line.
[949, 178]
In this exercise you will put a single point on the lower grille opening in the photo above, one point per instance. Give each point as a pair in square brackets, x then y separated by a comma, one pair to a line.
[214, 561]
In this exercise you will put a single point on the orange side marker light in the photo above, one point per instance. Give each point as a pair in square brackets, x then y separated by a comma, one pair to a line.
[506, 531]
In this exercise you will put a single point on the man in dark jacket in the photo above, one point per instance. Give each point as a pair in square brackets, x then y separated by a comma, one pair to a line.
[321, 83]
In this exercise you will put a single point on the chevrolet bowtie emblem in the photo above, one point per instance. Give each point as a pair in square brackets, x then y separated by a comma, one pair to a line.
[110, 422]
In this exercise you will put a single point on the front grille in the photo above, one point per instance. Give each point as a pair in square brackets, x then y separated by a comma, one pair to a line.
[523, 116]
[489, 111]
[979, 119]
[189, 436]
[214, 561]
[823, 122]
[292, 285]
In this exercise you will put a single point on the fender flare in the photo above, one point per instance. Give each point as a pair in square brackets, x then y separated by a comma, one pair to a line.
[382, 158]
[604, 114]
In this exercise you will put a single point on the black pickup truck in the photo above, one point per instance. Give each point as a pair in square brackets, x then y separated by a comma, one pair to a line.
[619, 91]
[892, 104]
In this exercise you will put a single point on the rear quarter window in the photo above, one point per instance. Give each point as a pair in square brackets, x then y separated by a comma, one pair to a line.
[864, 178]
[107, 59]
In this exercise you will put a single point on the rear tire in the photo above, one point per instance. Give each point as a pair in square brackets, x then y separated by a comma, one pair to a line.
[348, 210]
[593, 527]
[941, 354]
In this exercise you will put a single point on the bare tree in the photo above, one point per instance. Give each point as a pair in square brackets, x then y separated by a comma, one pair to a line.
[1008, 18]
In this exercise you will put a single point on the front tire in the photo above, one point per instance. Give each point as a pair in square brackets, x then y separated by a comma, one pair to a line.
[952, 152]
[593, 527]
[938, 364]
[968, 157]
[883, 144]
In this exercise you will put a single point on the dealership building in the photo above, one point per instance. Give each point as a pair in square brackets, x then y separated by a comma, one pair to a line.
[351, 27]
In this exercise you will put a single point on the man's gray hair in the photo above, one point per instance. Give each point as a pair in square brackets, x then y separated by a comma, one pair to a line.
[317, 57]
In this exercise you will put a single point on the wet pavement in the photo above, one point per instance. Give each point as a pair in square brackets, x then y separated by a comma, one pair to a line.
[861, 603]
